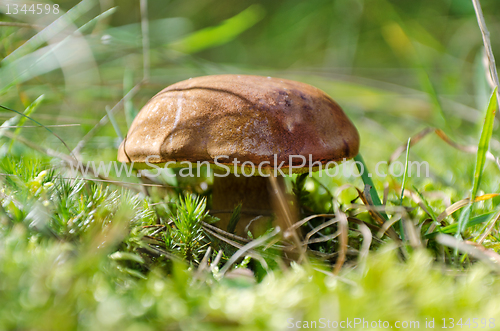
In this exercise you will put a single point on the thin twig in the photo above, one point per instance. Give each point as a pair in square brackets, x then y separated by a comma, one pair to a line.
[412, 233]
[247, 247]
[465, 148]
[21, 25]
[118, 182]
[365, 247]
[479, 252]
[487, 45]
[36, 122]
[224, 239]
[387, 225]
[304, 221]
[490, 228]
[287, 215]
[440, 133]
[203, 264]
[343, 228]
[39, 126]
[224, 233]
[414, 140]
[251, 252]
[216, 261]
[307, 240]
[323, 238]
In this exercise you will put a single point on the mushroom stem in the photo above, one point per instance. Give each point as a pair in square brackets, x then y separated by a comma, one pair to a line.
[252, 193]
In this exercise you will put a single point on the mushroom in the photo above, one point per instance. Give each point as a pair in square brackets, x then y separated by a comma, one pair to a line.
[225, 120]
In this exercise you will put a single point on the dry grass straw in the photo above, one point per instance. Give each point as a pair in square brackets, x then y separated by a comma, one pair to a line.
[487, 47]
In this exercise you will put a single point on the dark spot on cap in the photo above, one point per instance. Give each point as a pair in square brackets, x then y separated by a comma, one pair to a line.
[346, 148]
[300, 94]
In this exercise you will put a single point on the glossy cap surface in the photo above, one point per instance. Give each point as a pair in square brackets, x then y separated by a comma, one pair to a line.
[250, 118]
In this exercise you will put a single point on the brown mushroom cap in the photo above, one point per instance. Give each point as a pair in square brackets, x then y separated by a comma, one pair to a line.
[248, 118]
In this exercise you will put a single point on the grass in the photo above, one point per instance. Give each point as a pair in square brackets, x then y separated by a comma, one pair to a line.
[80, 253]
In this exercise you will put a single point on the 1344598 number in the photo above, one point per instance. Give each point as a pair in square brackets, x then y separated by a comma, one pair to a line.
[471, 323]
[37, 9]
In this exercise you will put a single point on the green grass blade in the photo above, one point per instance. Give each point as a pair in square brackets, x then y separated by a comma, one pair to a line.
[28, 61]
[463, 220]
[46, 128]
[405, 173]
[368, 181]
[429, 87]
[114, 123]
[452, 228]
[60, 25]
[221, 34]
[482, 149]
[403, 184]
[29, 110]
[235, 218]
[128, 85]
[484, 142]
[427, 205]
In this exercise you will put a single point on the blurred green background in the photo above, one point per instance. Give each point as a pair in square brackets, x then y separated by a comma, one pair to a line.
[396, 67]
